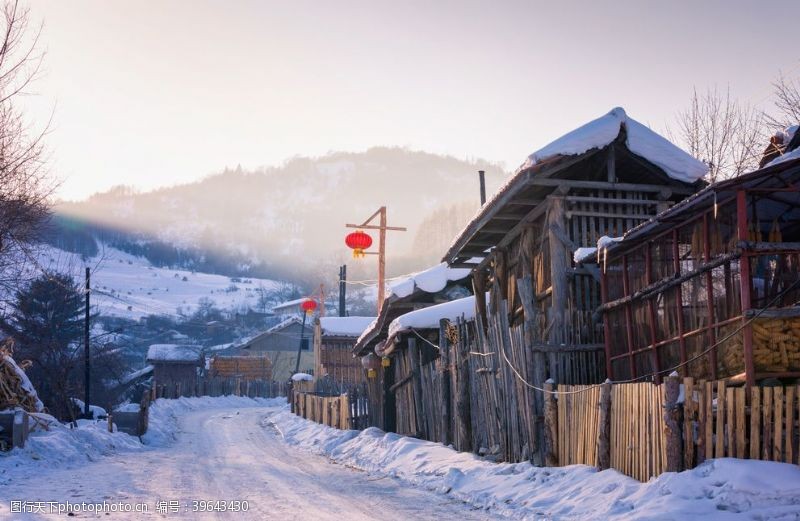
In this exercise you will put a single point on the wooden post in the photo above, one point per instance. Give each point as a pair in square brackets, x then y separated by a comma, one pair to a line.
[558, 270]
[604, 429]
[550, 426]
[672, 414]
[744, 281]
[416, 382]
[444, 352]
[382, 258]
[110, 423]
[463, 421]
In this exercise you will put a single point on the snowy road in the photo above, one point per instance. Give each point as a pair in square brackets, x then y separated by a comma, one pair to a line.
[233, 454]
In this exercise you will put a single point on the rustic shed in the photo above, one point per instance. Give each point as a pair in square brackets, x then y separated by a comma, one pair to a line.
[710, 287]
[242, 367]
[176, 366]
[334, 339]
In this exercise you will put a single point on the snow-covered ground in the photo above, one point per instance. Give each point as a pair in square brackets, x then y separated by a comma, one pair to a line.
[129, 286]
[284, 467]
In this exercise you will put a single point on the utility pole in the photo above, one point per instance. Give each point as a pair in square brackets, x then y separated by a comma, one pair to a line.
[382, 227]
[87, 357]
[300, 347]
[342, 289]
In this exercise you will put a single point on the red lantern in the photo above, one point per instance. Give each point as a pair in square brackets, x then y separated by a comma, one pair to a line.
[358, 241]
[308, 305]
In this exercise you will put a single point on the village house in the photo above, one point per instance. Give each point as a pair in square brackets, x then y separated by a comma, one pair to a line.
[334, 339]
[176, 367]
[280, 344]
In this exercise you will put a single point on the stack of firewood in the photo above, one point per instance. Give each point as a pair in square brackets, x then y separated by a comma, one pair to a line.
[13, 390]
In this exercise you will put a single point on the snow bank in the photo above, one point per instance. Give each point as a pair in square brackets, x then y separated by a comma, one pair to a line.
[344, 326]
[429, 317]
[97, 411]
[431, 280]
[717, 490]
[640, 140]
[302, 377]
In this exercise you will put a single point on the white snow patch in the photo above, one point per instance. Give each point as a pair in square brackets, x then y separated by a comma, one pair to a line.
[581, 254]
[431, 280]
[429, 317]
[789, 156]
[302, 377]
[641, 141]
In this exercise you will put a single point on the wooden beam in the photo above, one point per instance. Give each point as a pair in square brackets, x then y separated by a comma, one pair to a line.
[526, 201]
[507, 217]
[790, 312]
[603, 185]
[609, 215]
[611, 200]
[769, 246]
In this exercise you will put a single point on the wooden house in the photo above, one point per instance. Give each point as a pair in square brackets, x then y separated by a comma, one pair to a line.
[280, 343]
[429, 287]
[710, 287]
[334, 339]
[535, 305]
[176, 366]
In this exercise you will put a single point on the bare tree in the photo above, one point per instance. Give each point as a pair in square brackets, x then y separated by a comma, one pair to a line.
[722, 132]
[787, 102]
[25, 185]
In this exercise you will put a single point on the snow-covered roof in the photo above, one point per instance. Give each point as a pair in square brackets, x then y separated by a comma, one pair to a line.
[429, 317]
[294, 319]
[137, 374]
[431, 280]
[789, 156]
[640, 140]
[344, 326]
[174, 353]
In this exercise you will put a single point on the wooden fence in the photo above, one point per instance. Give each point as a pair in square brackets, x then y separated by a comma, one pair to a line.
[642, 429]
[221, 386]
[348, 410]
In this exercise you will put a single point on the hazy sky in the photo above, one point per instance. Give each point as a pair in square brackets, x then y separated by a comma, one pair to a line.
[154, 93]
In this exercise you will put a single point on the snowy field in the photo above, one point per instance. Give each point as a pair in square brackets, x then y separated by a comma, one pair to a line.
[238, 449]
[129, 286]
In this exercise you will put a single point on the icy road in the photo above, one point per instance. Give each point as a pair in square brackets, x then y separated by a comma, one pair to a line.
[232, 454]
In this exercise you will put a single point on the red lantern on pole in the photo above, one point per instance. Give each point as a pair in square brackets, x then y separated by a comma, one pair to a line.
[308, 305]
[358, 241]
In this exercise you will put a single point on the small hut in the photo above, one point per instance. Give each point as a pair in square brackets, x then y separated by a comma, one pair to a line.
[420, 290]
[176, 367]
[334, 339]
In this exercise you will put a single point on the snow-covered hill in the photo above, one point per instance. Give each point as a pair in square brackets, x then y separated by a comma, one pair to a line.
[128, 286]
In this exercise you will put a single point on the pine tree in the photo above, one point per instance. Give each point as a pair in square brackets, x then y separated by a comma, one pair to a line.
[46, 324]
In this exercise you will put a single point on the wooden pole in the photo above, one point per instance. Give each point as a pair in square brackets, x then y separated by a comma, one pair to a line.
[382, 259]
[604, 431]
[672, 411]
[444, 346]
[744, 281]
[463, 421]
[551, 426]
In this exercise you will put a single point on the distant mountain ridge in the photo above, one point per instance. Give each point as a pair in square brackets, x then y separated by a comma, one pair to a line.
[282, 221]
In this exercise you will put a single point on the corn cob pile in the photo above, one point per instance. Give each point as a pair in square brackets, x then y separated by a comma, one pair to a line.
[13, 392]
[776, 347]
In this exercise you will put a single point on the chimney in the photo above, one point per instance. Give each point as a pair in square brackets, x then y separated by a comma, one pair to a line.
[482, 179]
